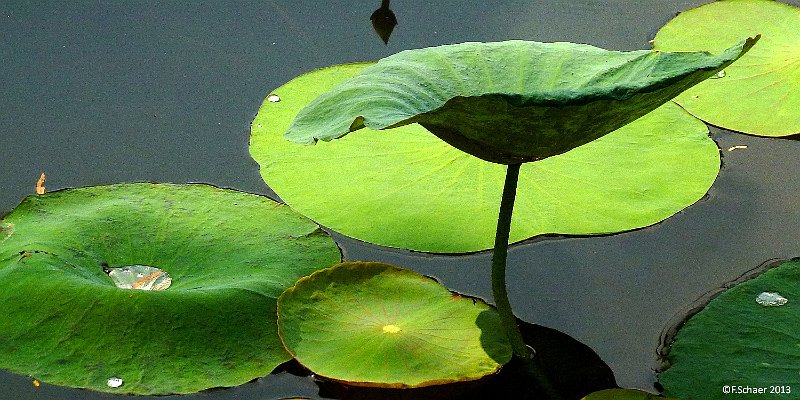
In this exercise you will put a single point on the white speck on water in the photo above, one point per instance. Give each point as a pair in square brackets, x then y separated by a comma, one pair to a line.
[720, 74]
[273, 98]
[771, 299]
[114, 382]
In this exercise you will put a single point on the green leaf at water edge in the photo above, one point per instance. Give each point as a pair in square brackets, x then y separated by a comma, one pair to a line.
[508, 102]
[745, 338]
[375, 324]
[405, 188]
[228, 255]
[623, 394]
[760, 93]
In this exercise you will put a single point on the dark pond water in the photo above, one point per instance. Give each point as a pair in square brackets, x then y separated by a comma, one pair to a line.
[106, 92]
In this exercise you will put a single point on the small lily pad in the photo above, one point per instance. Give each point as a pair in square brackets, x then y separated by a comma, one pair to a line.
[759, 93]
[405, 188]
[85, 296]
[375, 324]
[738, 343]
[508, 102]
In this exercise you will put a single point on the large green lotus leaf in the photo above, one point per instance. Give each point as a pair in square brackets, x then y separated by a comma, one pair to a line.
[623, 394]
[745, 338]
[508, 102]
[405, 188]
[375, 324]
[759, 94]
[228, 255]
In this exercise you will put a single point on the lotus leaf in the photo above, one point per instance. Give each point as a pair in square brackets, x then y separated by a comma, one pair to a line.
[743, 339]
[405, 188]
[375, 324]
[508, 102]
[228, 254]
[759, 94]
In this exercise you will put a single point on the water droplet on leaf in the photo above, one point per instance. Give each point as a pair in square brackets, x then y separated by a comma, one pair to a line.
[273, 98]
[720, 74]
[114, 382]
[140, 277]
[771, 299]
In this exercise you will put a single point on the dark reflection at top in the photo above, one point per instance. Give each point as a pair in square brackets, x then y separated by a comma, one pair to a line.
[383, 21]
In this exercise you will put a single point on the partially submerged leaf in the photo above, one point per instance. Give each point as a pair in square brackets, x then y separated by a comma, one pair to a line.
[741, 339]
[508, 102]
[70, 318]
[405, 188]
[759, 94]
[623, 394]
[376, 324]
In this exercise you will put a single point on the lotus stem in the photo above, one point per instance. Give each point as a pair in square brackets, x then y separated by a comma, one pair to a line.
[499, 257]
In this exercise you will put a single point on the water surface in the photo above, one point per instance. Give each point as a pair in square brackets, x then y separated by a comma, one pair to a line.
[107, 92]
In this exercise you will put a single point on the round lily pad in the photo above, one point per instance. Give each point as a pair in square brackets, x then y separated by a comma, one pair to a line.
[508, 102]
[405, 188]
[84, 295]
[758, 94]
[743, 340]
[375, 324]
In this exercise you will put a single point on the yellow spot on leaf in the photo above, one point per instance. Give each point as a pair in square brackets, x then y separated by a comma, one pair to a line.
[40, 184]
[391, 329]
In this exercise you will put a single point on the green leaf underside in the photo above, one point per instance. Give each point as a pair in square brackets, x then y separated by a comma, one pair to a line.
[759, 94]
[405, 188]
[735, 341]
[229, 255]
[623, 394]
[375, 324]
[508, 102]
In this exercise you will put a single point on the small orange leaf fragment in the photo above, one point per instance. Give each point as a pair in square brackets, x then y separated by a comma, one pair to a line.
[146, 279]
[36, 383]
[40, 184]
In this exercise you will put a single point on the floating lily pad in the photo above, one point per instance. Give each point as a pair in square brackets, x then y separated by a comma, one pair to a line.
[405, 188]
[70, 313]
[738, 342]
[623, 394]
[760, 93]
[508, 102]
[375, 324]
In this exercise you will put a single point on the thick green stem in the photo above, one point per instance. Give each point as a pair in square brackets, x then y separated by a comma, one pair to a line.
[499, 257]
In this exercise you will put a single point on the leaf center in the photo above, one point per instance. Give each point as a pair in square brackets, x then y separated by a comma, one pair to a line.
[391, 329]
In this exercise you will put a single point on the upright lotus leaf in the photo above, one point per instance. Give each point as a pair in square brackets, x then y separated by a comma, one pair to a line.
[508, 102]
[376, 324]
[84, 294]
[759, 94]
[623, 394]
[745, 338]
[405, 188]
